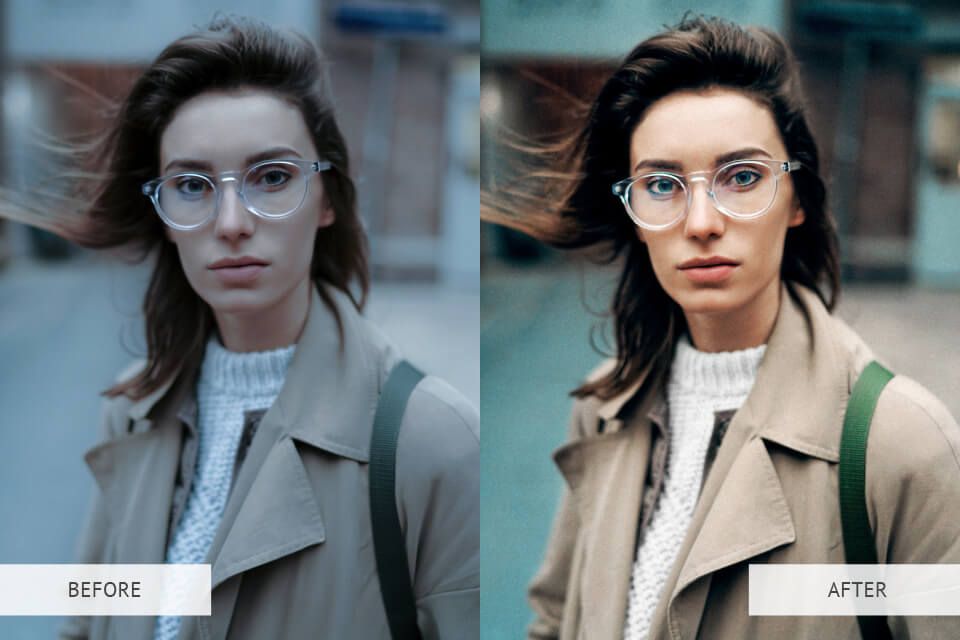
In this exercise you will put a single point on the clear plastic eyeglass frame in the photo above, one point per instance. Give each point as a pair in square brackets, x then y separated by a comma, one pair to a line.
[778, 168]
[151, 189]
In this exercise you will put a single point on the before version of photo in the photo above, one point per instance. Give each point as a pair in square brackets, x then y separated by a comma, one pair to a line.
[239, 282]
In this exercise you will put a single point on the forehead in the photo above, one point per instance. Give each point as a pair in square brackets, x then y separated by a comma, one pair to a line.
[222, 128]
[692, 128]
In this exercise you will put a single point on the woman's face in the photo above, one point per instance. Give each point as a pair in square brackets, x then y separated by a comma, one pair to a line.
[698, 131]
[216, 132]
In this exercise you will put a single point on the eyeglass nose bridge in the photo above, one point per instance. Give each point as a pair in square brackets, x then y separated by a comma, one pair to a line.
[237, 178]
[706, 177]
[231, 176]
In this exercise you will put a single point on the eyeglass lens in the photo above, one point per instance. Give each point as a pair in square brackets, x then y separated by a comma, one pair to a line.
[743, 189]
[273, 189]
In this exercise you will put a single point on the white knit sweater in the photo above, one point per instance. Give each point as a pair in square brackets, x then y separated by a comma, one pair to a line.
[700, 384]
[229, 384]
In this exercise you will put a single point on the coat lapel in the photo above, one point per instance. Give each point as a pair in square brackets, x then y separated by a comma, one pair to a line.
[747, 516]
[136, 474]
[271, 523]
[276, 515]
[327, 401]
[605, 474]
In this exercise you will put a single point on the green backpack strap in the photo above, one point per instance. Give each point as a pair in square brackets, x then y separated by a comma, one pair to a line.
[388, 542]
[858, 540]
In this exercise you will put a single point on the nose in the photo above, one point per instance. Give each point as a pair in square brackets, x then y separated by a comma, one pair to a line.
[703, 220]
[233, 220]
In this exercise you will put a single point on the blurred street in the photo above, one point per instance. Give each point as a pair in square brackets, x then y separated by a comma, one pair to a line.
[535, 348]
[67, 329]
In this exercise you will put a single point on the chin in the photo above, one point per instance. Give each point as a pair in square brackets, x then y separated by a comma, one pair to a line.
[709, 300]
[238, 301]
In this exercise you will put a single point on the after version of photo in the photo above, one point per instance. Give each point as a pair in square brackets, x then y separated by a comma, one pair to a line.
[719, 303]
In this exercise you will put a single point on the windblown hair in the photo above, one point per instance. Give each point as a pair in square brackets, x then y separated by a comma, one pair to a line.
[567, 201]
[231, 54]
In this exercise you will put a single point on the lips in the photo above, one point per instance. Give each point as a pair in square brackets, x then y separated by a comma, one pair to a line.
[243, 261]
[712, 271]
[712, 261]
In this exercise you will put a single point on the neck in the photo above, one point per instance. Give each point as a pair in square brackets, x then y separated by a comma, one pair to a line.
[742, 328]
[266, 329]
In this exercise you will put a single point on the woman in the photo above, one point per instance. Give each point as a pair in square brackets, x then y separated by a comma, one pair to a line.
[711, 440]
[243, 439]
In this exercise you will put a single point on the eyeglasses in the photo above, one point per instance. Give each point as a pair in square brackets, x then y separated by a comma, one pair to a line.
[742, 189]
[271, 189]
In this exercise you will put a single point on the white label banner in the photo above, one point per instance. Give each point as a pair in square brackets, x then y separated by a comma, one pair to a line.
[104, 589]
[854, 589]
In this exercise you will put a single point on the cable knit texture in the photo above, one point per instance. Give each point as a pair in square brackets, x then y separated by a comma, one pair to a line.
[229, 384]
[699, 385]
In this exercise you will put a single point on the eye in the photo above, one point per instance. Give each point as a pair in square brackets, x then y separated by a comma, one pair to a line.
[272, 177]
[660, 187]
[742, 178]
[191, 186]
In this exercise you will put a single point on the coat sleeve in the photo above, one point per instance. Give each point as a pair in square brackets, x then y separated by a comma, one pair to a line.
[547, 591]
[913, 490]
[90, 545]
[438, 493]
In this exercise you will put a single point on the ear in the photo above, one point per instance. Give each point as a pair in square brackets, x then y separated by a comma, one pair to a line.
[797, 217]
[327, 217]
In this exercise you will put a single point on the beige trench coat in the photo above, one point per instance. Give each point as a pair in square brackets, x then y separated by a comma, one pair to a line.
[770, 497]
[293, 555]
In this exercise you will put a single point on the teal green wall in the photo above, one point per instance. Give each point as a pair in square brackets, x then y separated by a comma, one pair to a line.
[600, 28]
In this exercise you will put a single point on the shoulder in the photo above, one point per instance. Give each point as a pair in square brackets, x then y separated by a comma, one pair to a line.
[913, 432]
[911, 427]
[590, 414]
[439, 428]
[115, 409]
[913, 475]
[584, 418]
[438, 489]
[438, 467]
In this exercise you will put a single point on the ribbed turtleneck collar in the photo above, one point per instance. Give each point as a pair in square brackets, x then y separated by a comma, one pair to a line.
[261, 372]
[719, 373]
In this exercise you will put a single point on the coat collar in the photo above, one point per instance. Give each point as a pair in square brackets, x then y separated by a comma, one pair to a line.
[339, 381]
[810, 355]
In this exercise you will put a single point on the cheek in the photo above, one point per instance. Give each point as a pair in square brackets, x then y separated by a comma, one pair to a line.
[297, 245]
[766, 244]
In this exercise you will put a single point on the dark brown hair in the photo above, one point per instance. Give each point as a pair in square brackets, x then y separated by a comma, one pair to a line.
[230, 54]
[567, 202]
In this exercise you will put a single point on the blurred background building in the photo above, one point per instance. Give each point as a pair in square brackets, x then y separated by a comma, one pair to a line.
[883, 85]
[406, 82]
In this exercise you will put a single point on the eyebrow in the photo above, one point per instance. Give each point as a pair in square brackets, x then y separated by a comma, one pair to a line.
[673, 165]
[199, 165]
